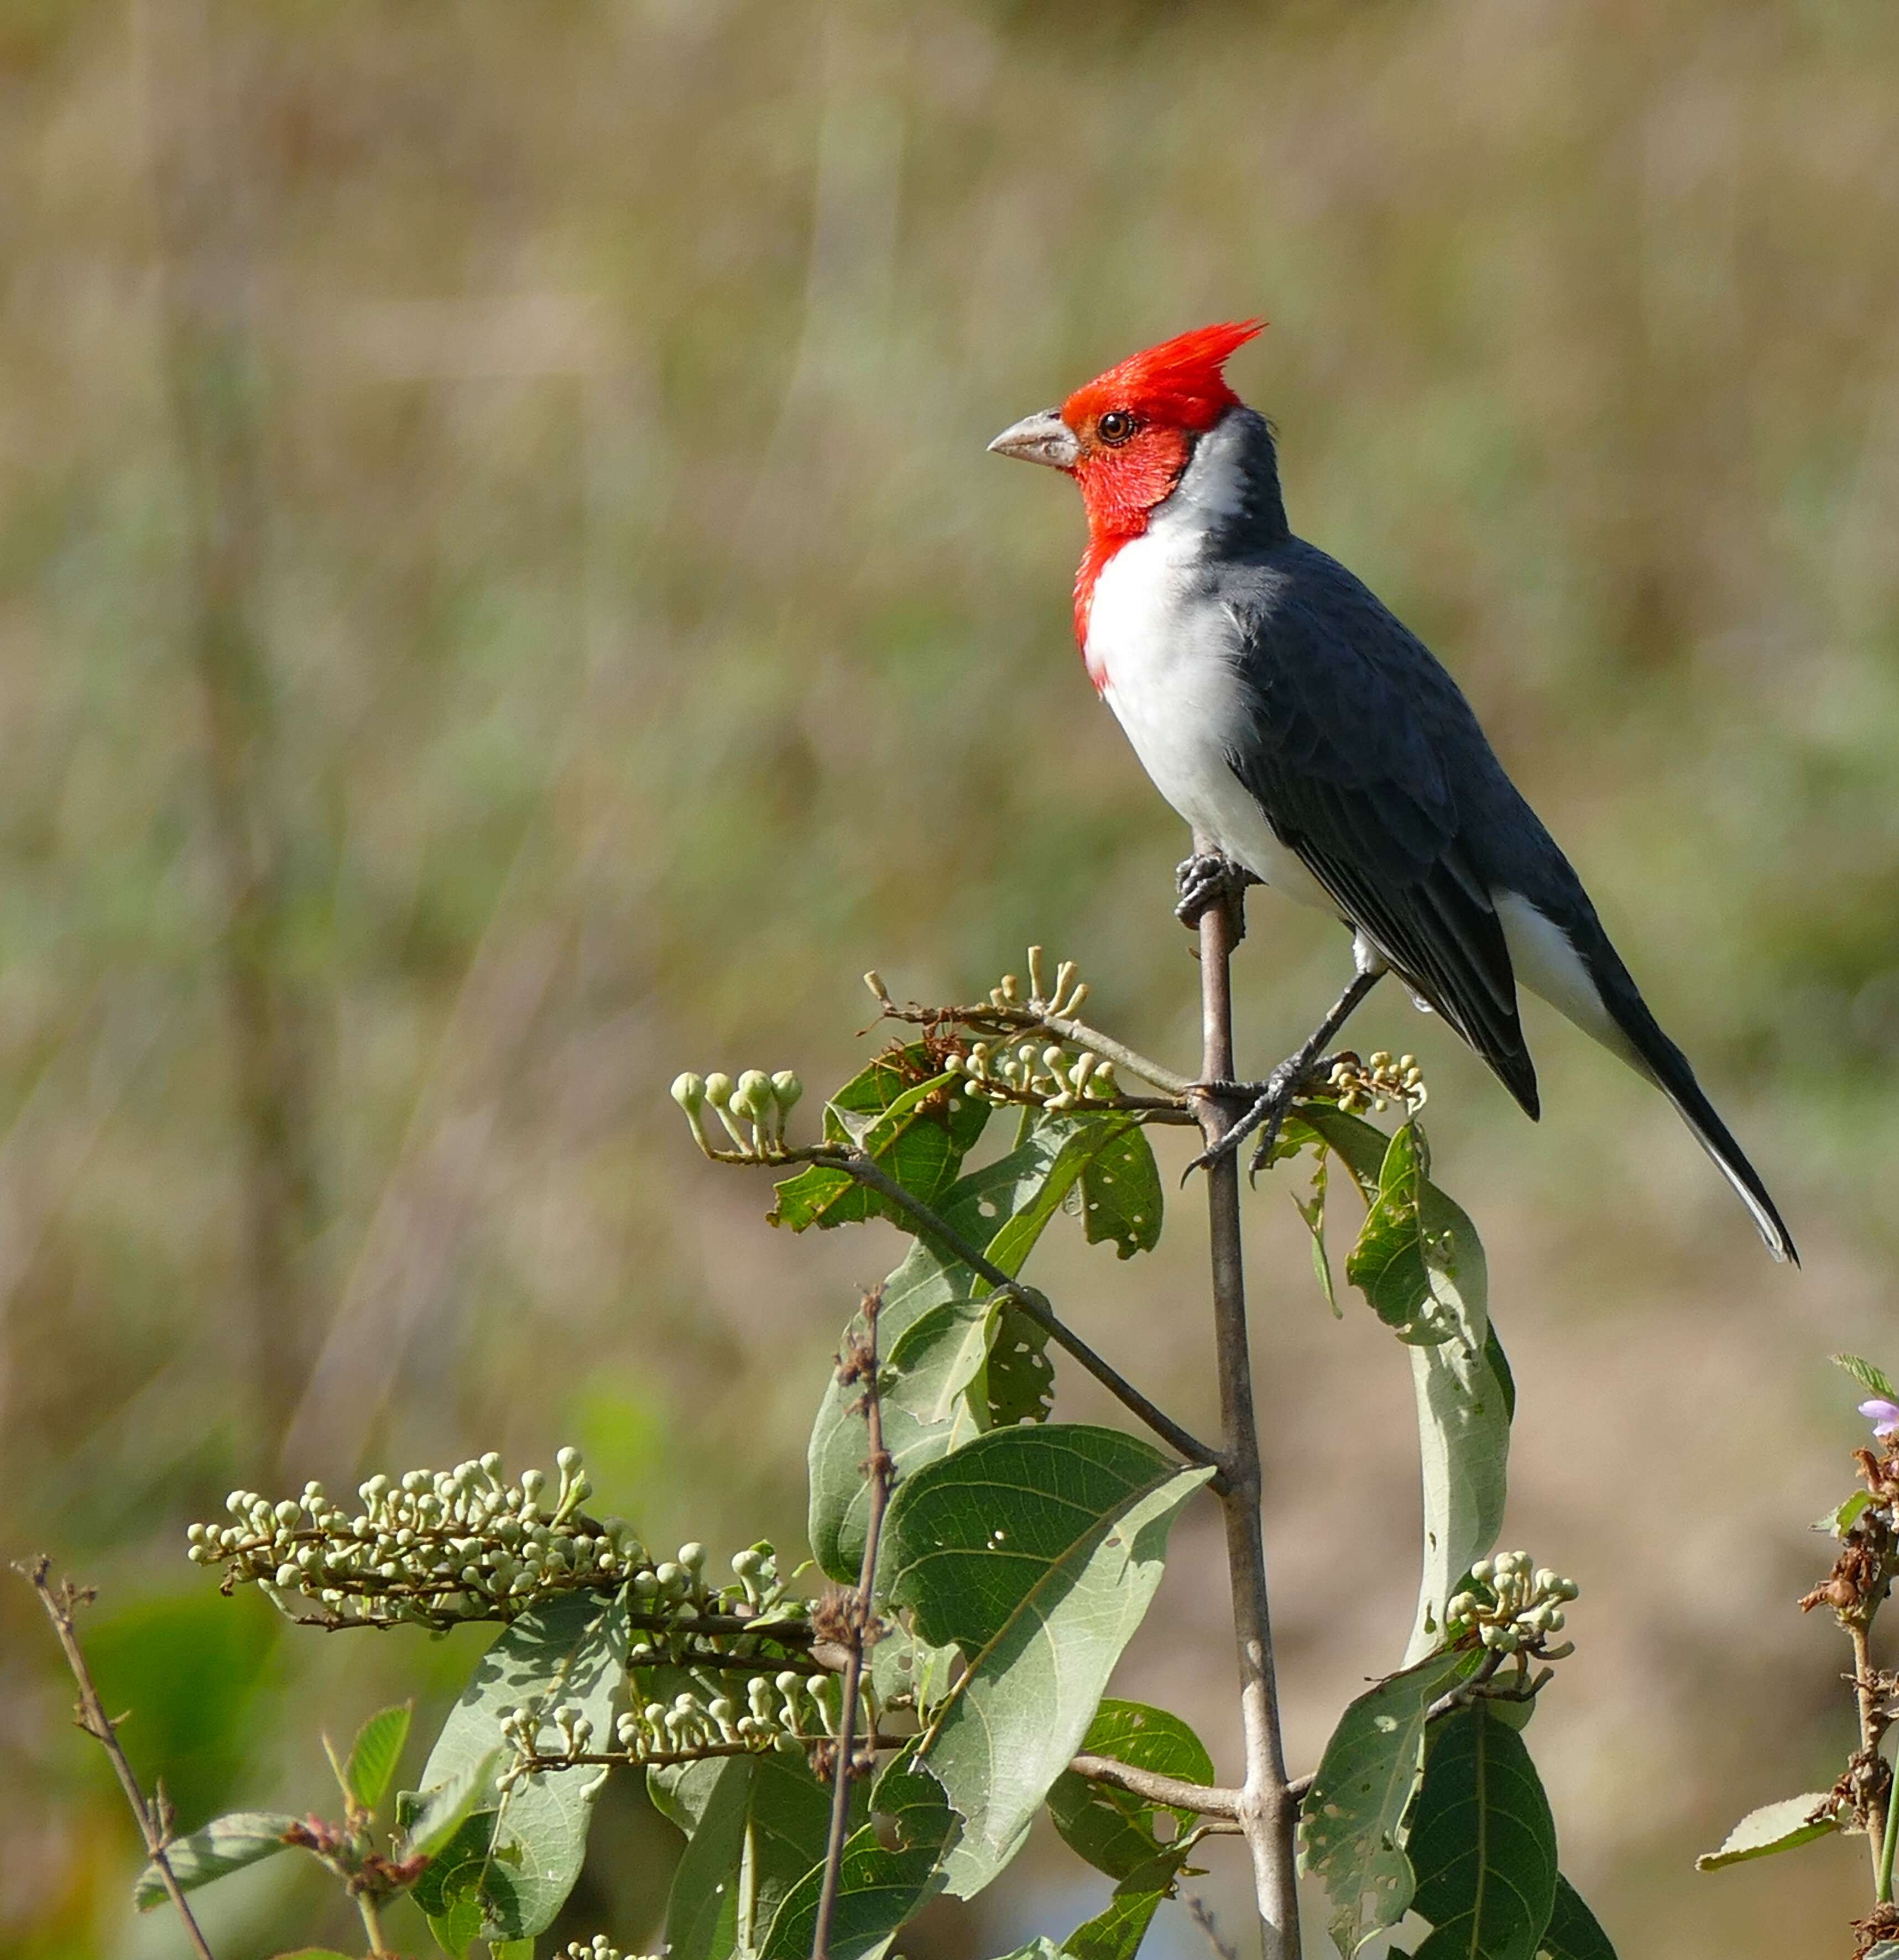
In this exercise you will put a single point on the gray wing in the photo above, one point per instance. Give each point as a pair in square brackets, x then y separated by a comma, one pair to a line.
[1369, 764]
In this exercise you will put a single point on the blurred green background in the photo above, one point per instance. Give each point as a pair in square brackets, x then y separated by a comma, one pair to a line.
[502, 597]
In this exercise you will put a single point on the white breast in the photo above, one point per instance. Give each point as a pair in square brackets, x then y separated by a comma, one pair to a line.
[1161, 649]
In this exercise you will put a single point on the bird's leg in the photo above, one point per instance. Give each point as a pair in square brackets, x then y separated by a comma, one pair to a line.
[1272, 1098]
[1206, 879]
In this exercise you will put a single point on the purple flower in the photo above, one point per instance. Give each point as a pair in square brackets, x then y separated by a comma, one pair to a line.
[1883, 1415]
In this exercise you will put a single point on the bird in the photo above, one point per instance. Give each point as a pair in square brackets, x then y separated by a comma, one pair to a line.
[1315, 744]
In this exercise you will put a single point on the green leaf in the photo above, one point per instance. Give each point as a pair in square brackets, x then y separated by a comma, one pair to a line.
[1020, 1379]
[448, 1892]
[1122, 1201]
[1887, 1949]
[1573, 1932]
[1461, 1383]
[570, 1653]
[225, 1844]
[932, 1387]
[892, 1867]
[1874, 1381]
[1842, 1519]
[375, 1752]
[1353, 1823]
[448, 1806]
[1036, 1551]
[1392, 1262]
[1775, 1826]
[916, 1123]
[1312, 1210]
[1116, 1933]
[1113, 1829]
[1059, 1153]
[762, 1823]
[1482, 1842]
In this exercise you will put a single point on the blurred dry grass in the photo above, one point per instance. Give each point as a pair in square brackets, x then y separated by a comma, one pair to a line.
[651, 647]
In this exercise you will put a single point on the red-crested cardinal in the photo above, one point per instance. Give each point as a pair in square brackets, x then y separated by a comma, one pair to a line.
[1318, 746]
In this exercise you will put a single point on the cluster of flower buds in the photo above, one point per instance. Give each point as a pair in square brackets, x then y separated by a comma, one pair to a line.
[753, 1110]
[1063, 999]
[1022, 1072]
[431, 1547]
[1377, 1082]
[599, 1948]
[1511, 1608]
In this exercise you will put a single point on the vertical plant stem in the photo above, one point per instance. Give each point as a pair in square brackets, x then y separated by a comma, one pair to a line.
[58, 1601]
[1873, 1725]
[371, 1912]
[1267, 1813]
[858, 1363]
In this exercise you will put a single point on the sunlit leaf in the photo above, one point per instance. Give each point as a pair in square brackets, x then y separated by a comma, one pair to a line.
[375, 1753]
[1482, 1842]
[1116, 1932]
[225, 1844]
[1775, 1826]
[1876, 1381]
[1036, 1551]
[1353, 1822]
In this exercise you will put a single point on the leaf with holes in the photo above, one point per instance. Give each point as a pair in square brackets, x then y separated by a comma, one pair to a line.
[1482, 1842]
[892, 1866]
[1115, 1830]
[915, 1122]
[1353, 1823]
[1121, 1201]
[1036, 1551]
[1116, 1933]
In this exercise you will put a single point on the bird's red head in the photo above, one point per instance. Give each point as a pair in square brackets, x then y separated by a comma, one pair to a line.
[1134, 425]
[1126, 436]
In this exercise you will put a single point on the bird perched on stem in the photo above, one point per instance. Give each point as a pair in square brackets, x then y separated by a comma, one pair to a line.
[1316, 745]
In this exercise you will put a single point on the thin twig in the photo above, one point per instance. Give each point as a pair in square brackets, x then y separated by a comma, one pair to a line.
[858, 1363]
[1203, 1916]
[1028, 1019]
[1209, 1799]
[1267, 1813]
[154, 1819]
[661, 1759]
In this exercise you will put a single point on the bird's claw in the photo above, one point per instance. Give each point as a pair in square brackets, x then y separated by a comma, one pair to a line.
[1267, 1105]
[1206, 879]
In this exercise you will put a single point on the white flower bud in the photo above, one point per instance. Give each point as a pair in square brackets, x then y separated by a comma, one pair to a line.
[788, 1089]
[718, 1090]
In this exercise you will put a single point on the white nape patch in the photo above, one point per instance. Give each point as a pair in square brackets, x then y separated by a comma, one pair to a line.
[1162, 651]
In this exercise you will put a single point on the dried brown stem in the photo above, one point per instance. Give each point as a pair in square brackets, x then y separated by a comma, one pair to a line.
[58, 1601]
[1267, 1812]
[858, 1363]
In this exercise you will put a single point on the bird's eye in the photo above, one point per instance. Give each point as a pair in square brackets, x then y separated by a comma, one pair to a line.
[1114, 428]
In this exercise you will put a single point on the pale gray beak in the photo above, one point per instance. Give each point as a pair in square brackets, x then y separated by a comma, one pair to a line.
[1042, 438]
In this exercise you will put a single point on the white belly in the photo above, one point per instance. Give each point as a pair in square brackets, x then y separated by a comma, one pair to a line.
[1162, 655]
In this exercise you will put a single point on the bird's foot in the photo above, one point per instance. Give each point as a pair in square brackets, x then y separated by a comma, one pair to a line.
[1267, 1104]
[1206, 879]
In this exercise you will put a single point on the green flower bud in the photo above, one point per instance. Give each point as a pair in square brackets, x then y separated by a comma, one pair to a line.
[718, 1090]
[689, 1092]
[788, 1089]
[692, 1556]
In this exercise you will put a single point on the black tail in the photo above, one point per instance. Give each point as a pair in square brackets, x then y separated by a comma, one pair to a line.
[1668, 1068]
